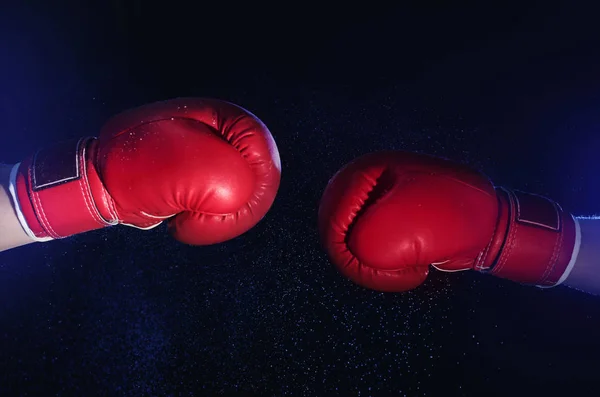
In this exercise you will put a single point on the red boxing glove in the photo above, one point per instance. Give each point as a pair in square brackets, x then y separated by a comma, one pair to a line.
[210, 167]
[385, 217]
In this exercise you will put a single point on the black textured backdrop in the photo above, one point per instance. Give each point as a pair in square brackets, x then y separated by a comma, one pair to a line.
[512, 90]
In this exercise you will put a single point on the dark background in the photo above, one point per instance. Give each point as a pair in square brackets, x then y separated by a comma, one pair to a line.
[510, 89]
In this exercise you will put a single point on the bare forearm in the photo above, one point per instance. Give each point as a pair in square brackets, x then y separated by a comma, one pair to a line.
[585, 275]
[11, 233]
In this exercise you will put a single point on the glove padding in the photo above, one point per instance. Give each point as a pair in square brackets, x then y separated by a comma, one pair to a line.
[385, 217]
[208, 167]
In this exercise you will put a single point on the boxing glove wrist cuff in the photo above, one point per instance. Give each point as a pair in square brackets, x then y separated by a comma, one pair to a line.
[536, 241]
[53, 192]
